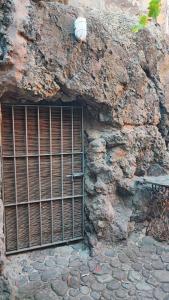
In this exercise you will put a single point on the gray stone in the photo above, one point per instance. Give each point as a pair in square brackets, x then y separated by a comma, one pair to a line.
[27, 269]
[131, 254]
[62, 261]
[113, 285]
[97, 287]
[165, 287]
[158, 265]
[132, 292]
[148, 266]
[107, 295]
[84, 269]
[95, 295]
[127, 285]
[105, 278]
[134, 276]
[124, 258]
[85, 298]
[120, 275]
[125, 267]
[74, 282]
[151, 280]
[50, 263]
[75, 272]
[84, 290]
[143, 286]
[147, 295]
[145, 273]
[166, 297]
[148, 241]
[161, 276]
[102, 269]
[121, 293]
[49, 275]
[165, 257]
[167, 267]
[92, 265]
[34, 276]
[23, 262]
[136, 266]
[158, 294]
[74, 292]
[115, 263]
[38, 266]
[45, 295]
[85, 278]
[75, 262]
[110, 253]
[59, 287]
[155, 257]
[148, 249]
[21, 281]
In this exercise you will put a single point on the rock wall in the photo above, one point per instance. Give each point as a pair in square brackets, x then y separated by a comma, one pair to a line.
[121, 80]
[128, 7]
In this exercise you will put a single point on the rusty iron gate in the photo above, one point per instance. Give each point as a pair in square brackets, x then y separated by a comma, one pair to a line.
[43, 167]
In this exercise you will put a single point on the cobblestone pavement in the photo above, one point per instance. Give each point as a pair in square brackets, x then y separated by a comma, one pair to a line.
[138, 269]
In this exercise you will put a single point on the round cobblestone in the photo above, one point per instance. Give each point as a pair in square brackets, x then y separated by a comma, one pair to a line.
[158, 294]
[158, 265]
[84, 290]
[59, 287]
[97, 287]
[136, 266]
[134, 276]
[113, 285]
[74, 292]
[95, 295]
[121, 293]
[146, 273]
[165, 287]
[85, 298]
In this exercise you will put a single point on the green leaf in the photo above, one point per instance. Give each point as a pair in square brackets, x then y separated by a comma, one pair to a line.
[154, 9]
[143, 20]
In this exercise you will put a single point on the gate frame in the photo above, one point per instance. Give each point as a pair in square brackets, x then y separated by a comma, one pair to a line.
[50, 105]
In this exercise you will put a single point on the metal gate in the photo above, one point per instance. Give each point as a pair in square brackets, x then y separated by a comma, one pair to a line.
[43, 166]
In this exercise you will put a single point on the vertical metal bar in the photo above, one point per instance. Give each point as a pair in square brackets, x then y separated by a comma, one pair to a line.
[15, 178]
[39, 162]
[2, 176]
[51, 171]
[72, 116]
[82, 136]
[27, 170]
[62, 172]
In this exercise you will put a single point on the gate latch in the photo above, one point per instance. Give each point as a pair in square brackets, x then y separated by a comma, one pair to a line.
[75, 175]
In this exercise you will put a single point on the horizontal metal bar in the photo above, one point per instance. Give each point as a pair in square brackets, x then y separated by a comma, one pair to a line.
[42, 105]
[43, 200]
[41, 155]
[45, 245]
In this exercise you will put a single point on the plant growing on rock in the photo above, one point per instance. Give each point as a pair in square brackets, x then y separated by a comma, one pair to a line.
[154, 9]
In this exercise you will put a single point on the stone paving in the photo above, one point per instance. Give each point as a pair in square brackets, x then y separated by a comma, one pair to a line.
[137, 269]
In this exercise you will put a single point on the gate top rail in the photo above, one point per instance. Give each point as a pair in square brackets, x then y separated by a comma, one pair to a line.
[155, 180]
